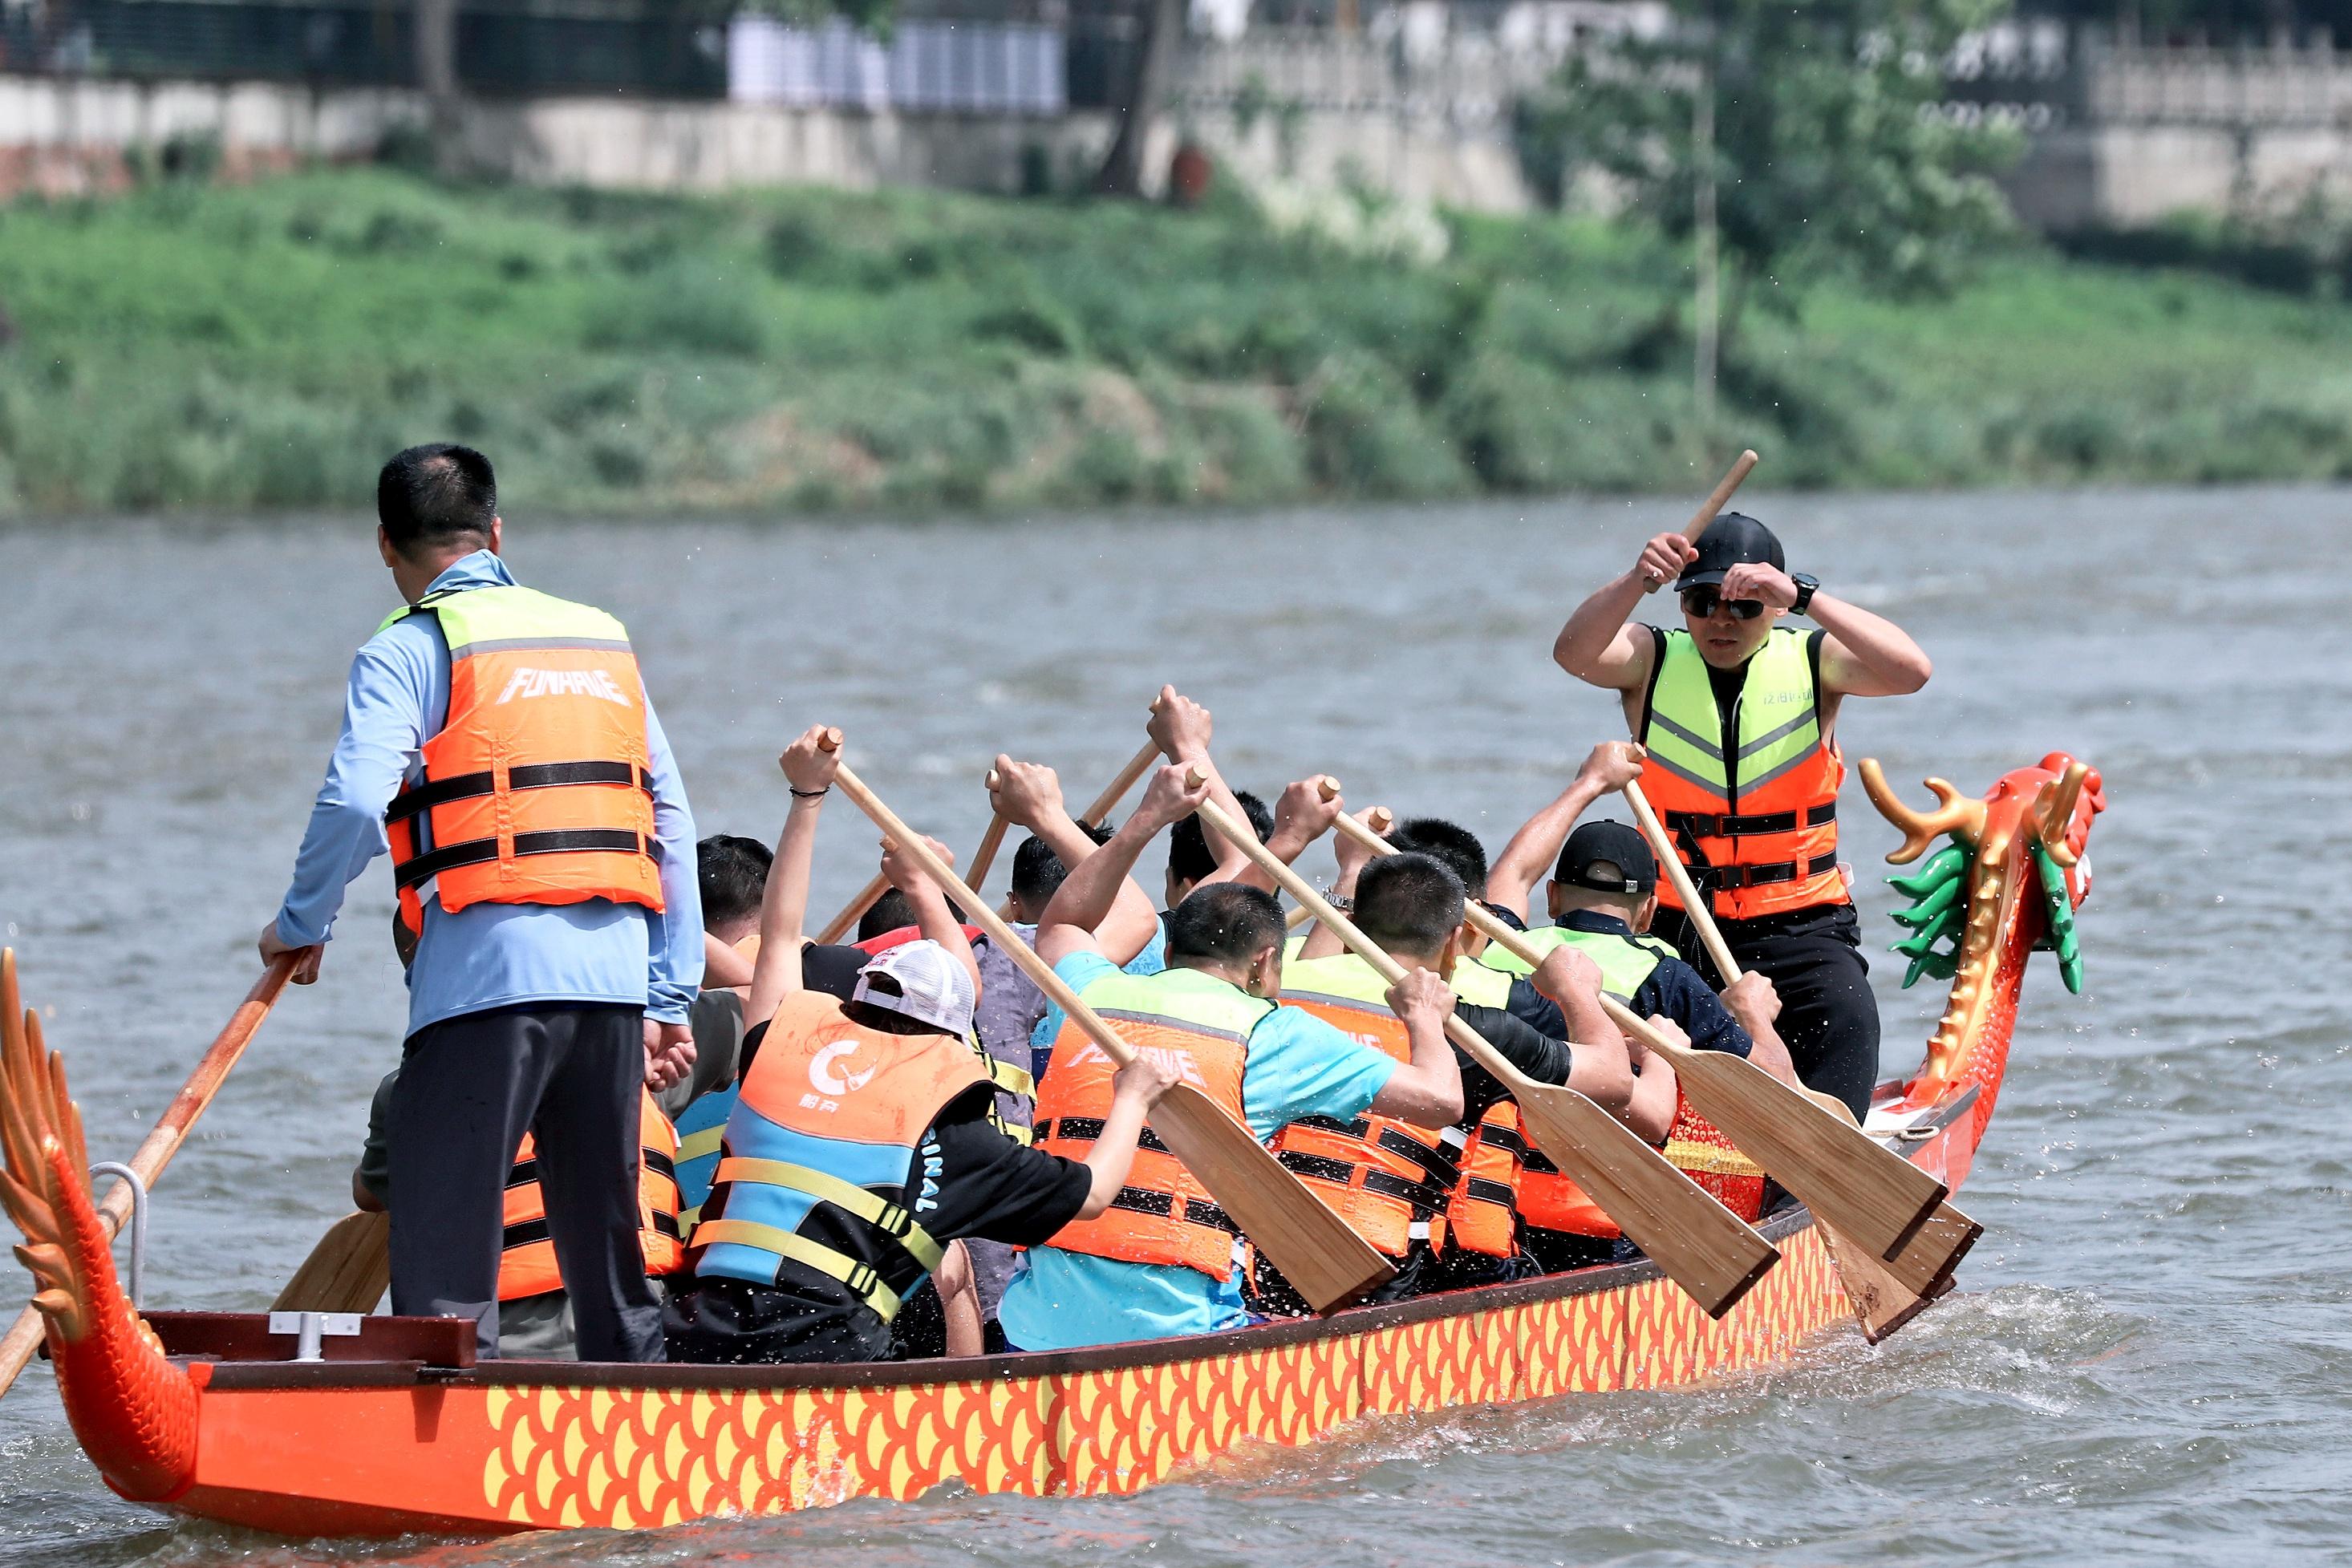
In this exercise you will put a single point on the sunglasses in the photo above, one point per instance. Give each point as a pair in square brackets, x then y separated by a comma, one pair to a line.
[1703, 601]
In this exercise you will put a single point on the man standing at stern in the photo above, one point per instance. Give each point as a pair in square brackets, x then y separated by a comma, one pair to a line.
[497, 741]
[1737, 714]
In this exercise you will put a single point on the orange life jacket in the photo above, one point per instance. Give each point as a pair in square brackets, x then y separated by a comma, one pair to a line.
[818, 1151]
[1758, 829]
[1391, 1182]
[1482, 1215]
[536, 790]
[527, 1266]
[1201, 1026]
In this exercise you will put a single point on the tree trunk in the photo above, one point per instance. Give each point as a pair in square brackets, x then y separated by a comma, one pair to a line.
[1147, 88]
[437, 77]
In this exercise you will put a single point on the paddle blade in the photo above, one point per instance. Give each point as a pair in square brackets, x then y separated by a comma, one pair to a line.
[1926, 1264]
[348, 1271]
[1316, 1251]
[1882, 1304]
[1703, 1247]
[1871, 1195]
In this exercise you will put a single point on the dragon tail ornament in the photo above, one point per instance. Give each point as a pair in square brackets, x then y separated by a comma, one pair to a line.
[2015, 870]
[134, 1411]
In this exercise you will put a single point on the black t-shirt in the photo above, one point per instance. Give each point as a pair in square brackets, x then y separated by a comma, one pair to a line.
[1673, 990]
[1544, 1058]
[965, 1179]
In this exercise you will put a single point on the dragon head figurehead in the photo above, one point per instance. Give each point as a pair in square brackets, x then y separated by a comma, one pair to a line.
[134, 1412]
[2008, 881]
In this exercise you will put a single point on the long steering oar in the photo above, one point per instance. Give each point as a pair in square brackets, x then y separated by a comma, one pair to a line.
[1330, 1265]
[1702, 1246]
[17, 1346]
[1104, 805]
[347, 1272]
[1923, 1260]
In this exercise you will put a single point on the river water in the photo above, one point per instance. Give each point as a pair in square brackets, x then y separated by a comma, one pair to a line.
[2150, 1357]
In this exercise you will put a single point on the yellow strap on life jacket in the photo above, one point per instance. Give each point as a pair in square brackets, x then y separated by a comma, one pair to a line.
[859, 1278]
[694, 1146]
[878, 1212]
[1011, 1079]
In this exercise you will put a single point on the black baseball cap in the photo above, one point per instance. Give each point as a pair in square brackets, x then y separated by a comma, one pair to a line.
[1630, 868]
[1732, 538]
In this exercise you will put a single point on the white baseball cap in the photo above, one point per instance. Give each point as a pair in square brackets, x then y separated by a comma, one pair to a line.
[926, 984]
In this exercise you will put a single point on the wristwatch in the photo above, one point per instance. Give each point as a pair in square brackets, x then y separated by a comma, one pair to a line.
[1806, 584]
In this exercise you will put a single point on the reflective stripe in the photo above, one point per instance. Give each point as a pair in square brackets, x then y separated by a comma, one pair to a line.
[1749, 748]
[506, 645]
[1697, 742]
[859, 1278]
[878, 1212]
[1793, 763]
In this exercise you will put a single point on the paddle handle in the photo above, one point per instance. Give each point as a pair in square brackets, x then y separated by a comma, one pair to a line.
[1721, 496]
[1473, 1044]
[24, 1336]
[1516, 943]
[990, 841]
[1670, 866]
[977, 911]
[1107, 801]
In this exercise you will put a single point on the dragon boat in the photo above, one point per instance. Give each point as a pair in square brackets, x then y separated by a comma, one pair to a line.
[379, 1426]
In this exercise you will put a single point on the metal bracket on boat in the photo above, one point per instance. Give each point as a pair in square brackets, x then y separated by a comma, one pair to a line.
[309, 1328]
[138, 1220]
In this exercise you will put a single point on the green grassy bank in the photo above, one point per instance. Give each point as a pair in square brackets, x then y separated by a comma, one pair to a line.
[265, 346]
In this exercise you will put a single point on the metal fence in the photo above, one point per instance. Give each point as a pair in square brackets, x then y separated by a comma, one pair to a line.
[504, 47]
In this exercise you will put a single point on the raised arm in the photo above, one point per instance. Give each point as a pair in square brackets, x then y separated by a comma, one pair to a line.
[1533, 850]
[1029, 795]
[935, 918]
[1321, 941]
[1865, 655]
[808, 766]
[1084, 901]
[1600, 644]
[1182, 728]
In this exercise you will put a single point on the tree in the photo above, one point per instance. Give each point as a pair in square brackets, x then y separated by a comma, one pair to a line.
[1143, 92]
[1815, 126]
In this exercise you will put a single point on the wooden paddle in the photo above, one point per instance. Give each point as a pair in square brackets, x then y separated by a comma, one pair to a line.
[1705, 1248]
[1330, 1265]
[211, 1070]
[1380, 821]
[1104, 804]
[348, 1271]
[1715, 503]
[1867, 1191]
[1925, 1259]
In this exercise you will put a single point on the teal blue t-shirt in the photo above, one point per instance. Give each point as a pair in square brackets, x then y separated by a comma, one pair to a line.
[1297, 1066]
[1151, 961]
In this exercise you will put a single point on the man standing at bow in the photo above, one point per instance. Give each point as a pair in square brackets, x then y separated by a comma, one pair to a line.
[498, 742]
[1737, 714]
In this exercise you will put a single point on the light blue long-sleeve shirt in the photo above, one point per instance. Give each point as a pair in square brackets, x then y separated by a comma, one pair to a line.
[488, 955]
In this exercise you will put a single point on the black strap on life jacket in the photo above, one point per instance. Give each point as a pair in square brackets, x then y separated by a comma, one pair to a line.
[1197, 1211]
[1424, 1197]
[556, 841]
[1705, 826]
[1086, 1129]
[536, 776]
[1723, 878]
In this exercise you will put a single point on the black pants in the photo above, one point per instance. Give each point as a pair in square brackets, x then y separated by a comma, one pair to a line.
[1813, 957]
[573, 1076]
